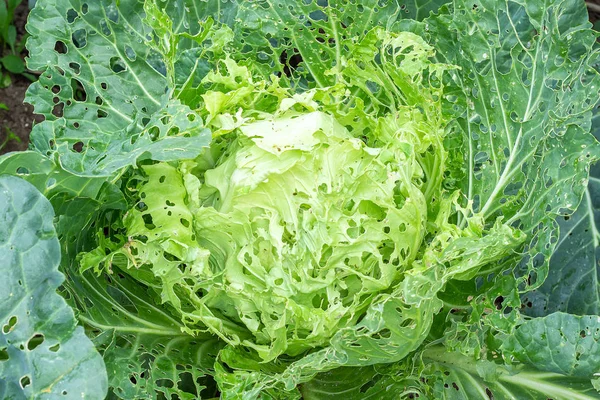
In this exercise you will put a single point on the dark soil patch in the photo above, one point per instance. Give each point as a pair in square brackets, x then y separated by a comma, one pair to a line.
[594, 10]
[19, 117]
[20, 19]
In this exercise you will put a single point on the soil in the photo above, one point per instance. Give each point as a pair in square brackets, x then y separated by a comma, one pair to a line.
[594, 11]
[20, 118]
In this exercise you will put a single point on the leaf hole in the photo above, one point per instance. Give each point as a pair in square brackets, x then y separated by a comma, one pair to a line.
[407, 322]
[72, 15]
[364, 388]
[11, 324]
[60, 47]
[79, 38]
[148, 222]
[78, 147]
[58, 109]
[130, 53]
[117, 65]
[498, 302]
[35, 341]
[79, 92]
[25, 381]
[167, 383]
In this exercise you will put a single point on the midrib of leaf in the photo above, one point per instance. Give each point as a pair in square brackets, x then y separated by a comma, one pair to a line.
[507, 179]
[504, 389]
[490, 135]
[539, 198]
[338, 54]
[473, 383]
[535, 380]
[492, 54]
[471, 164]
[532, 381]
[595, 235]
[128, 328]
[125, 60]
[190, 78]
[514, 28]
[507, 172]
[590, 213]
[142, 321]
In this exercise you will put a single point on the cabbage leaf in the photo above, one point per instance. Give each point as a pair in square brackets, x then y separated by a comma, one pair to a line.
[278, 199]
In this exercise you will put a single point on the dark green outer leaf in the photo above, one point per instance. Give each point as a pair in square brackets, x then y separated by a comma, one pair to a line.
[528, 88]
[146, 352]
[143, 346]
[47, 177]
[105, 89]
[43, 353]
[560, 342]
[451, 376]
[572, 284]
[446, 375]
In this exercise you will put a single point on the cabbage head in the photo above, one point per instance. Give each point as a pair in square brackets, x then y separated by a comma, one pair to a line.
[311, 220]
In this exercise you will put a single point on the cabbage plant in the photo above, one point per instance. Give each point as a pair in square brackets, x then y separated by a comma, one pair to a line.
[304, 199]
